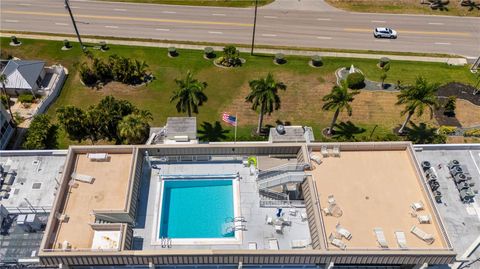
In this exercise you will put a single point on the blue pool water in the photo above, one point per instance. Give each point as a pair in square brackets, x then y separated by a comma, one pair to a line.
[196, 208]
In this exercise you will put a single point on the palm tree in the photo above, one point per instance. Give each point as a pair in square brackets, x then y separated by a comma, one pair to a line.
[3, 80]
[347, 131]
[189, 95]
[134, 128]
[264, 94]
[338, 99]
[212, 132]
[416, 98]
[423, 134]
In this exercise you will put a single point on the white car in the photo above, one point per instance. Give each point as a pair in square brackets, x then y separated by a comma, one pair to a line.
[383, 32]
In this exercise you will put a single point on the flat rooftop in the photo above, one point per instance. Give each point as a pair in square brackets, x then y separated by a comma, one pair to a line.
[462, 221]
[108, 191]
[375, 189]
[36, 178]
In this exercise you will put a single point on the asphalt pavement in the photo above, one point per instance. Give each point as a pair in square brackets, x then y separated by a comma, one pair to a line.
[306, 24]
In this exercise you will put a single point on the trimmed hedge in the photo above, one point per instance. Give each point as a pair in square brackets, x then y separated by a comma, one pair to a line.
[447, 130]
[356, 81]
[26, 98]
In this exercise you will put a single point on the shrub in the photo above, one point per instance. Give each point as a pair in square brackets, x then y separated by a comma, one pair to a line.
[447, 130]
[356, 81]
[26, 98]
[67, 44]
[87, 75]
[172, 51]
[231, 57]
[450, 106]
[472, 132]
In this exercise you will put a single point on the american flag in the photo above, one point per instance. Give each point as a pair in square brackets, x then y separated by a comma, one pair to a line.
[230, 119]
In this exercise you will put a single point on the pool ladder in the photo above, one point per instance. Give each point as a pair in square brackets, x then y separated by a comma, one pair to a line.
[166, 242]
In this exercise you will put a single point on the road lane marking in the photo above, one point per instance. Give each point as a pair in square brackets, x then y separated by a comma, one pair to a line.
[111, 26]
[379, 21]
[442, 43]
[119, 9]
[324, 19]
[11, 20]
[61, 23]
[163, 29]
[411, 32]
[269, 17]
[269, 35]
[24, 4]
[169, 12]
[436, 23]
[324, 37]
[121, 18]
[215, 33]
[218, 14]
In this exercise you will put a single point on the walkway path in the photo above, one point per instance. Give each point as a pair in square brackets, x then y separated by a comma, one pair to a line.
[452, 61]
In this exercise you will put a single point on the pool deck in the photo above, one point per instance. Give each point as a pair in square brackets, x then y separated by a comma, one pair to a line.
[375, 189]
[257, 230]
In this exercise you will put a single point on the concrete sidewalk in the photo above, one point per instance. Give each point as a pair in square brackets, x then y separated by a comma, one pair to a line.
[448, 60]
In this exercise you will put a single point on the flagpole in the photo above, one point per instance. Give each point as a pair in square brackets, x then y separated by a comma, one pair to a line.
[236, 124]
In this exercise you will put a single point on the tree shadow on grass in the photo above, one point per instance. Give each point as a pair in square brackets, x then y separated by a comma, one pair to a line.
[423, 134]
[346, 131]
[212, 132]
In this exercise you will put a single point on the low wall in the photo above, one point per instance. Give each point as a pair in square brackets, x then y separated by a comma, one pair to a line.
[55, 91]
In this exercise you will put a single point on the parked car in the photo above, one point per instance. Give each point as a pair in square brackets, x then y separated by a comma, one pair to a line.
[383, 32]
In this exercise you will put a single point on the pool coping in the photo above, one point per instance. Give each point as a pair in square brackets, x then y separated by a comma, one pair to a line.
[156, 240]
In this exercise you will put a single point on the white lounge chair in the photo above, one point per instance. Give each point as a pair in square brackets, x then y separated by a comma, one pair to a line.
[336, 151]
[268, 220]
[382, 241]
[331, 199]
[299, 243]
[304, 216]
[82, 178]
[279, 229]
[417, 206]
[315, 158]
[97, 156]
[335, 239]
[273, 244]
[343, 232]
[293, 212]
[252, 245]
[424, 219]
[428, 238]
[401, 239]
[324, 151]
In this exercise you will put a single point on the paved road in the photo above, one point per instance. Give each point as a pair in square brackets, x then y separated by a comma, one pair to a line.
[314, 28]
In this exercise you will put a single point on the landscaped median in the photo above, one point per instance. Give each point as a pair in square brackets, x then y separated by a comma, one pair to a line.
[374, 112]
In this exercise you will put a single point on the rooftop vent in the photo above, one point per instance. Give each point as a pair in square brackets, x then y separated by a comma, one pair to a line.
[280, 129]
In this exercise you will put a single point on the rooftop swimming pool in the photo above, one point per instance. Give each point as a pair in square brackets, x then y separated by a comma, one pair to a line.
[196, 208]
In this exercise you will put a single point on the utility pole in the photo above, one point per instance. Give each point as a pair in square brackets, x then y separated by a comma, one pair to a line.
[67, 6]
[254, 26]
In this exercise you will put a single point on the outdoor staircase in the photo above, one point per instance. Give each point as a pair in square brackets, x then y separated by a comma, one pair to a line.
[281, 179]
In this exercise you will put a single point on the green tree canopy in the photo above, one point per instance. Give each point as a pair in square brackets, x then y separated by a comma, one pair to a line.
[337, 100]
[41, 133]
[264, 95]
[417, 98]
[189, 94]
[134, 128]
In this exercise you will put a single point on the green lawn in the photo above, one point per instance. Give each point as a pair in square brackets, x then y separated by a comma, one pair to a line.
[219, 3]
[402, 7]
[301, 103]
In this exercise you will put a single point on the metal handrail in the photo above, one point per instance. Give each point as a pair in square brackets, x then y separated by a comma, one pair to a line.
[277, 195]
[283, 178]
[282, 168]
